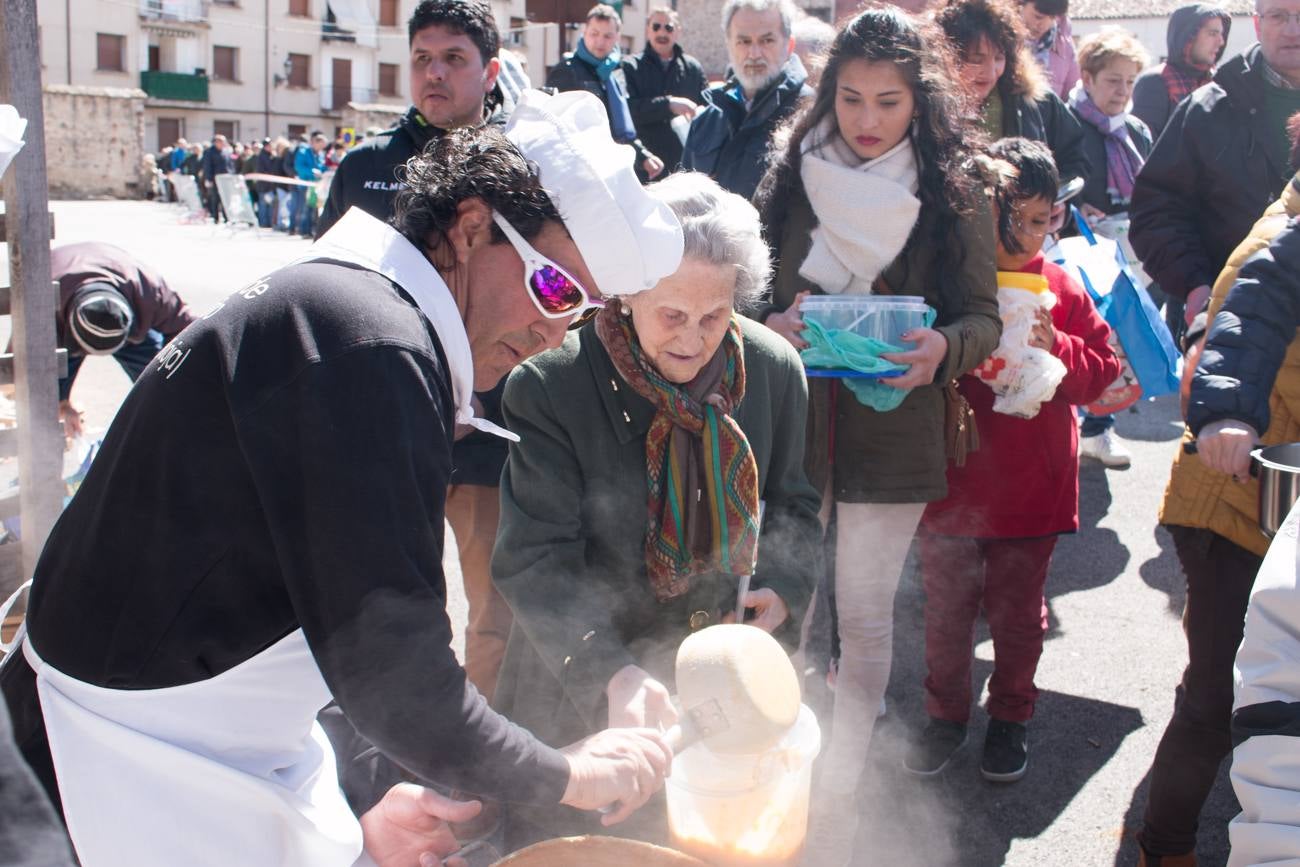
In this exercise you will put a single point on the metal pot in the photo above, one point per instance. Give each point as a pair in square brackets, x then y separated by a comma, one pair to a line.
[1278, 468]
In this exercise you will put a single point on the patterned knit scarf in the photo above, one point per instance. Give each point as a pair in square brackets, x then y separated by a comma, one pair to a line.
[1181, 79]
[702, 478]
[1122, 157]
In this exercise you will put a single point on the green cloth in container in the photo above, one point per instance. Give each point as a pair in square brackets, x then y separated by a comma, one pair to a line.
[844, 349]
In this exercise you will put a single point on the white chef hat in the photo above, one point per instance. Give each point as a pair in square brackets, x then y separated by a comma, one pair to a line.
[629, 240]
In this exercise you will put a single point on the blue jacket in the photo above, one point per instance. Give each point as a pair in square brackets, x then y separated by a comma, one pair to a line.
[729, 142]
[1249, 338]
[307, 164]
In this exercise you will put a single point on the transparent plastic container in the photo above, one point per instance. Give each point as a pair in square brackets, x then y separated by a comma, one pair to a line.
[882, 317]
[745, 810]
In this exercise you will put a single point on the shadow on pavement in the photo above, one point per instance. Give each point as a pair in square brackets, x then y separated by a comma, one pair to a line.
[1154, 421]
[1163, 572]
[1094, 556]
[961, 819]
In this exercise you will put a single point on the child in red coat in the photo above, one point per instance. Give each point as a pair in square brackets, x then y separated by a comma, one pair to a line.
[989, 543]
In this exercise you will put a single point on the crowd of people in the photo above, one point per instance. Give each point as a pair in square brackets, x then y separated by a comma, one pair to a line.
[571, 325]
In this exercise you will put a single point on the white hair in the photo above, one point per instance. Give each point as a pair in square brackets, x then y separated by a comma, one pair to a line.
[721, 228]
[785, 7]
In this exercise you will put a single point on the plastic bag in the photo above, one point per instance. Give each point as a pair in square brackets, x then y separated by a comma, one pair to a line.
[1022, 377]
[841, 348]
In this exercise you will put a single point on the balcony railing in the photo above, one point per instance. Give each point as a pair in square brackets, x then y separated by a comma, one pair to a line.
[181, 11]
[337, 98]
[174, 85]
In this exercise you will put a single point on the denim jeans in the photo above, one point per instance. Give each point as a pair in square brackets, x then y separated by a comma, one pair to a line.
[1096, 425]
[133, 357]
[283, 218]
[266, 209]
[297, 208]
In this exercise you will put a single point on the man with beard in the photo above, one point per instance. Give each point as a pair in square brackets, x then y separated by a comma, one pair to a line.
[663, 83]
[729, 139]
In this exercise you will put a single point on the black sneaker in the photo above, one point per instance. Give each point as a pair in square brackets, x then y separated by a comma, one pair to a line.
[937, 744]
[1006, 752]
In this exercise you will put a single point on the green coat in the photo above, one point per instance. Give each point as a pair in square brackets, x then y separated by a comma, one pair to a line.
[897, 456]
[569, 554]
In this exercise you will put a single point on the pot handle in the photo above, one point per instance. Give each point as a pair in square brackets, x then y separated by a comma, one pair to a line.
[1190, 447]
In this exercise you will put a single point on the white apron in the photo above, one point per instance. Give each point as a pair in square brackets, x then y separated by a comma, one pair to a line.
[233, 770]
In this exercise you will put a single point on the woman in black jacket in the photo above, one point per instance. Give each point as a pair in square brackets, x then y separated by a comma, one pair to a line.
[1005, 83]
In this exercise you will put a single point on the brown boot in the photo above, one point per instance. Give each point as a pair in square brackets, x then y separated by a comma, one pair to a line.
[1145, 860]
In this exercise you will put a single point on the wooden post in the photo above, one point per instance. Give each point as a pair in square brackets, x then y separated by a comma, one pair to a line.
[33, 298]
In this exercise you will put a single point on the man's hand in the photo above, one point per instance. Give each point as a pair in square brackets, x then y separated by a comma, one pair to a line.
[618, 768]
[682, 106]
[653, 166]
[931, 348]
[1195, 303]
[409, 827]
[637, 700]
[789, 322]
[770, 610]
[73, 418]
[1225, 446]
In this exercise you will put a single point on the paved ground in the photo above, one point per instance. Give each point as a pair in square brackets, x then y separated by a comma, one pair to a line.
[1107, 674]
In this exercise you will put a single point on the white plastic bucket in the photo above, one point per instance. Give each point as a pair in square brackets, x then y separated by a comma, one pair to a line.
[745, 810]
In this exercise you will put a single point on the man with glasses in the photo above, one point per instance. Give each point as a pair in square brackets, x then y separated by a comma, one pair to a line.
[663, 83]
[186, 625]
[1221, 160]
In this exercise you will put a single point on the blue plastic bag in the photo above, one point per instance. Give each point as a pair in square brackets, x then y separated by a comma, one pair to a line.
[1100, 265]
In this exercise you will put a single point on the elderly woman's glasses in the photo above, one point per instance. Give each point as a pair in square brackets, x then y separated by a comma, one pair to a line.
[554, 291]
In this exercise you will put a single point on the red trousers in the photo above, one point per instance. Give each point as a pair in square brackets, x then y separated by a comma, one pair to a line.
[1006, 578]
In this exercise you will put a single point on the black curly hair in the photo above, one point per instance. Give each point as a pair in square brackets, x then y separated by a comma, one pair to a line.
[1033, 175]
[473, 18]
[939, 134]
[467, 163]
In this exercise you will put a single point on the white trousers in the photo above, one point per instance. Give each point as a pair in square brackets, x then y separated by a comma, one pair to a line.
[871, 546]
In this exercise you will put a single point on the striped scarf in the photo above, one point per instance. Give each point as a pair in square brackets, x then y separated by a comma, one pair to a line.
[1182, 79]
[703, 482]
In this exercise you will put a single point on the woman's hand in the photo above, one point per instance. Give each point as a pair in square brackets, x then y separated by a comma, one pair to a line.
[1043, 334]
[409, 827]
[637, 700]
[770, 610]
[1225, 446]
[618, 768]
[789, 322]
[931, 349]
[652, 165]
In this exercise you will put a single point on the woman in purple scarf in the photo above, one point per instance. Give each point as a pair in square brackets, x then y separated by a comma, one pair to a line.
[1116, 142]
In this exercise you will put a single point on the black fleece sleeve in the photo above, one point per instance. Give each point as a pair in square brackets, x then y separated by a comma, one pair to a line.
[351, 461]
[1249, 338]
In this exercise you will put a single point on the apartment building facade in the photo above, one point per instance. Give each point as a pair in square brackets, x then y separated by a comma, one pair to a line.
[248, 68]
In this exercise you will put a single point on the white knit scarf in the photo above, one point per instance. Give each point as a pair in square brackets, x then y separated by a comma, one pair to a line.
[865, 210]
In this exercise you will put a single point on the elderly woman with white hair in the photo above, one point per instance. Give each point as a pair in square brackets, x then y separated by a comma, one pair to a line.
[660, 455]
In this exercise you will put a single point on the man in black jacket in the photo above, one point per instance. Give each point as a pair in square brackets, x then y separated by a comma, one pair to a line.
[663, 83]
[454, 65]
[454, 68]
[1220, 161]
[216, 161]
[596, 66]
[729, 139]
